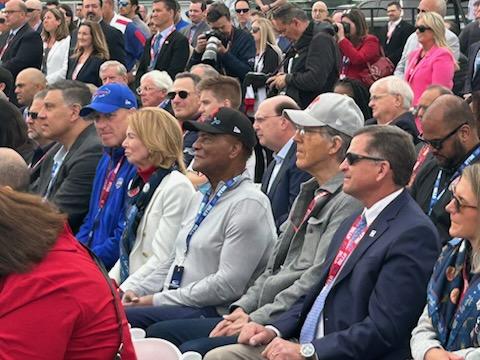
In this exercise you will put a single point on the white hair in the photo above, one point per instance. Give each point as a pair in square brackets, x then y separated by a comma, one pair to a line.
[396, 86]
[120, 68]
[160, 79]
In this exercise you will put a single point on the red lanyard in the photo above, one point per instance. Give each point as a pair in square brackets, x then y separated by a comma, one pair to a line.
[348, 245]
[420, 160]
[152, 50]
[107, 185]
[310, 208]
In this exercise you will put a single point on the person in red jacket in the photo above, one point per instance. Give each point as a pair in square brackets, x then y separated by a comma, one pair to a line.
[55, 303]
[358, 48]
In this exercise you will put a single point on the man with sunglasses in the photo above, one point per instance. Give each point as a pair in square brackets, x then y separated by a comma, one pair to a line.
[104, 223]
[440, 7]
[450, 131]
[372, 285]
[242, 18]
[34, 12]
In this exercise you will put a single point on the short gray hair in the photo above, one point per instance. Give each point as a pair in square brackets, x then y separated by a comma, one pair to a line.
[208, 70]
[14, 171]
[160, 79]
[396, 86]
[120, 68]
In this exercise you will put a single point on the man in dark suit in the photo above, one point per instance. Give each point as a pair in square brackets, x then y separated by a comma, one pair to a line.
[395, 33]
[472, 79]
[20, 47]
[281, 180]
[67, 174]
[92, 10]
[373, 284]
[168, 49]
[196, 13]
[34, 15]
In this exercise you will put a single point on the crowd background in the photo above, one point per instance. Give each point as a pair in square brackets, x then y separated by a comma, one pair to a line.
[253, 182]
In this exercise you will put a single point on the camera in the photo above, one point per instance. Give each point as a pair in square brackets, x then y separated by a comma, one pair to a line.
[346, 27]
[214, 39]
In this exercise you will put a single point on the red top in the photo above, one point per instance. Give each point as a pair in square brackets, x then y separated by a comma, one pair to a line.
[368, 51]
[61, 309]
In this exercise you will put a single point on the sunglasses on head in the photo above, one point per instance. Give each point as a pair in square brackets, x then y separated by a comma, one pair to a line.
[242, 11]
[33, 115]
[352, 158]
[437, 144]
[123, 3]
[422, 28]
[182, 94]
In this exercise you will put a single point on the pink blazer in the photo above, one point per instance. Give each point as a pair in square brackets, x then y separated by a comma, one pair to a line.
[436, 67]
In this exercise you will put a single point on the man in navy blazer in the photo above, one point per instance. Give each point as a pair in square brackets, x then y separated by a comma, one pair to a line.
[373, 284]
[281, 180]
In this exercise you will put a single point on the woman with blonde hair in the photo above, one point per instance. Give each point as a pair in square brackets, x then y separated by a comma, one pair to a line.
[433, 62]
[449, 327]
[90, 53]
[157, 196]
[56, 42]
[267, 59]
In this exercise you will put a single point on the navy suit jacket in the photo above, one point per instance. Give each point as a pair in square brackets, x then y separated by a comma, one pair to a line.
[380, 293]
[472, 83]
[285, 187]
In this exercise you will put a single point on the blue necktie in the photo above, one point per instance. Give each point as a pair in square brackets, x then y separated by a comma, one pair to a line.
[156, 51]
[309, 328]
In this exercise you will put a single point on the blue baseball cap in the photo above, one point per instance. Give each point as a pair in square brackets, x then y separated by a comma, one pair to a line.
[109, 98]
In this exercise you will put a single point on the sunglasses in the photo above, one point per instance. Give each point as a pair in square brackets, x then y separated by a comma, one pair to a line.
[437, 144]
[33, 115]
[255, 30]
[182, 94]
[352, 158]
[242, 11]
[31, 10]
[123, 3]
[456, 201]
[2, 21]
[422, 28]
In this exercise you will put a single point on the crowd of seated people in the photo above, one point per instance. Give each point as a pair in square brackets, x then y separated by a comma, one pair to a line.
[244, 185]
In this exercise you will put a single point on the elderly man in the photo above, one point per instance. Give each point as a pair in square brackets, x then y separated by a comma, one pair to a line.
[20, 47]
[153, 90]
[222, 245]
[34, 15]
[450, 130]
[66, 175]
[299, 254]
[440, 7]
[27, 84]
[319, 11]
[105, 220]
[113, 71]
[375, 261]
[13, 170]
[390, 101]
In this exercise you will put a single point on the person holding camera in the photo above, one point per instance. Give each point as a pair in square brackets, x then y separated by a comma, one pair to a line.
[227, 48]
[311, 64]
[357, 46]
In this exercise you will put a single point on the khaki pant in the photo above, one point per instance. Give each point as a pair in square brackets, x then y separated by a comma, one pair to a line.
[235, 352]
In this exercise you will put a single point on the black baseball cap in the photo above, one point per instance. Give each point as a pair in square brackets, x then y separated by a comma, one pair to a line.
[226, 121]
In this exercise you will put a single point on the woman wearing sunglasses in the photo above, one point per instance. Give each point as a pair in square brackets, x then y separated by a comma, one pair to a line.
[157, 196]
[449, 327]
[433, 61]
[56, 42]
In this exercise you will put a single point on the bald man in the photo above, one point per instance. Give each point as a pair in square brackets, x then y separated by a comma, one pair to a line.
[319, 11]
[13, 170]
[34, 12]
[29, 82]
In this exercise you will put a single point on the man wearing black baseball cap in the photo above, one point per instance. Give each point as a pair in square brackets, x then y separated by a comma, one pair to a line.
[226, 236]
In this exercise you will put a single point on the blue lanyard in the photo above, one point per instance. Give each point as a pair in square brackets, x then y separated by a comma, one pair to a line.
[207, 206]
[435, 195]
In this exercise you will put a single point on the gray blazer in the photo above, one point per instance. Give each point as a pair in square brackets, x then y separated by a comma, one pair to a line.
[298, 256]
[202, 27]
[73, 184]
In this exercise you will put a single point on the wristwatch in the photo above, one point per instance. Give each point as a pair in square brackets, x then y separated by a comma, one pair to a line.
[307, 351]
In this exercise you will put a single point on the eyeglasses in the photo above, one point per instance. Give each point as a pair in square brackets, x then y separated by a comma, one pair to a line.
[421, 11]
[378, 97]
[459, 206]
[242, 11]
[422, 28]
[32, 10]
[182, 94]
[255, 30]
[145, 88]
[10, 12]
[353, 158]
[33, 115]
[438, 143]
[417, 109]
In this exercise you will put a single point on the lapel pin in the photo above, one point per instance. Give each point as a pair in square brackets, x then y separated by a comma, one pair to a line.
[372, 233]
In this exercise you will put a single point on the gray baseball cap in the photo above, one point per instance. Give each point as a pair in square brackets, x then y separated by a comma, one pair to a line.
[334, 110]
